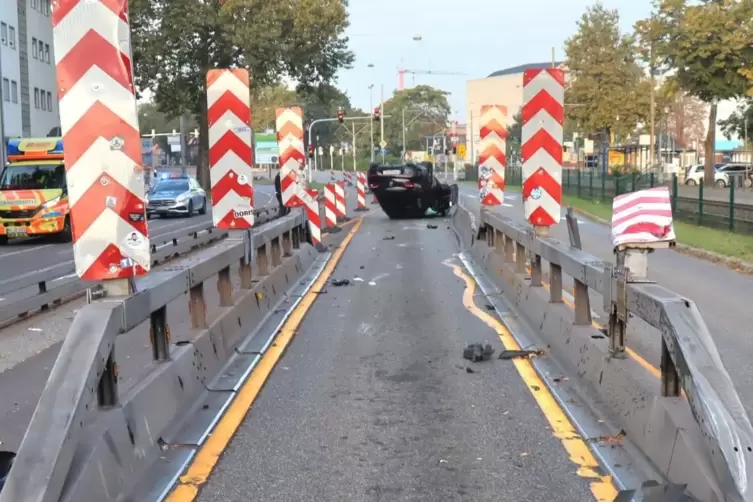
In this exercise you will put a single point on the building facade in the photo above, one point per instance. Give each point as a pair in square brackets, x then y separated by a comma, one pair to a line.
[29, 88]
[503, 87]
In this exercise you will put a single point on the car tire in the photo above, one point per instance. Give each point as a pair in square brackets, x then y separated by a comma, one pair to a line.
[66, 235]
[720, 183]
[3, 240]
[190, 209]
[690, 182]
[203, 209]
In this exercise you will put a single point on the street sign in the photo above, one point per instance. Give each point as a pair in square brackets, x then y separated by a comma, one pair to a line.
[461, 150]
[331, 149]
[321, 150]
[383, 144]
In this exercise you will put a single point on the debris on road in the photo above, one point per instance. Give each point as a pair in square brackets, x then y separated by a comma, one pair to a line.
[389, 238]
[615, 440]
[489, 306]
[519, 354]
[469, 370]
[429, 225]
[340, 282]
[37, 330]
[476, 352]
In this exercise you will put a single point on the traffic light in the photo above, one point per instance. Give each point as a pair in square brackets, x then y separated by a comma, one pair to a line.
[377, 113]
[340, 114]
[311, 151]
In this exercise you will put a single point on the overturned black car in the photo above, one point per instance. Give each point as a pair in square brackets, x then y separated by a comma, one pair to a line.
[411, 190]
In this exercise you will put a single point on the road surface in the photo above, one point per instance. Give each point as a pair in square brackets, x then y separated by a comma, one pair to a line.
[373, 401]
[722, 295]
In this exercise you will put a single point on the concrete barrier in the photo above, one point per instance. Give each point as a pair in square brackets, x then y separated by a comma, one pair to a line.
[85, 441]
[702, 439]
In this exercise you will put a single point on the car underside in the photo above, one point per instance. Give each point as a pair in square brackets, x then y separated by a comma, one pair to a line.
[411, 191]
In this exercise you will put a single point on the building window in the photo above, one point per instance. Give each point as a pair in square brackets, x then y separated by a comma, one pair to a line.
[36, 98]
[43, 101]
[4, 33]
[45, 7]
[49, 101]
[41, 50]
[6, 89]
[12, 37]
[46, 53]
[34, 48]
[33, 4]
[14, 91]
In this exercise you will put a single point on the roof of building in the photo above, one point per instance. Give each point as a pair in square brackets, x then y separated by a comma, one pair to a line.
[521, 68]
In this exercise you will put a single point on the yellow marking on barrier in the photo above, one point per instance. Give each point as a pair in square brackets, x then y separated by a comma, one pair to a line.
[208, 456]
[602, 486]
[630, 352]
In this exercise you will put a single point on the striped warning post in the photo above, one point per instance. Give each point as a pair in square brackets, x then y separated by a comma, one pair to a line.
[230, 148]
[340, 200]
[361, 192]
[543, 115]
[310, 199]
[642, 217]
[100, 132]
[332, 177]
[492, 159]
[348, 178]
[330, 206]
[292, 156]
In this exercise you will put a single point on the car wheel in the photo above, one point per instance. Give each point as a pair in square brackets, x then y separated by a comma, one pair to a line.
[203, 209]
[190, 209]
[3, 240]
[66, 235]
[720, 183]
[690, 182]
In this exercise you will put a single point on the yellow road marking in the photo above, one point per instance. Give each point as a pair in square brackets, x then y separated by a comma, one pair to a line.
[208, 455]
[602, 486]
[630, 352]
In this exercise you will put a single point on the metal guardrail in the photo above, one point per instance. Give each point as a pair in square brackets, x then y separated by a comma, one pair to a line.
[59, 282]
[85, 441]
[669, 430]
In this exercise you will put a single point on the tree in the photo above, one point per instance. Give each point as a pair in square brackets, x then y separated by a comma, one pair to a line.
[514, 139]
[740, 123]
[151, 118]
[426, 114]
[177, 42]
[685, 117]
[708, 44]
[606, 85]
[264, 103]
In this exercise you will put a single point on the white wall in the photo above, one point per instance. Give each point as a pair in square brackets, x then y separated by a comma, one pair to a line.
[41, 68]
[10, 66]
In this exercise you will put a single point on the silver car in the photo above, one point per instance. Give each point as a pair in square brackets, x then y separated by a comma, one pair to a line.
[176, 196]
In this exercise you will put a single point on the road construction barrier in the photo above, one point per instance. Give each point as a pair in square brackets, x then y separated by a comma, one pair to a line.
[361, 192]
[59, 283]
[330, 207]
[88, 441]
[340, 200]
[695, 430]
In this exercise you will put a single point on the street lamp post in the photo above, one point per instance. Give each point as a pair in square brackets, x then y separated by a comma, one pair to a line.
[381, 122]
[371, 120]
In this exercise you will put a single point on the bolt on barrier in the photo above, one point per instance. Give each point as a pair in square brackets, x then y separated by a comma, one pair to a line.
[85, 440]
[695, 430]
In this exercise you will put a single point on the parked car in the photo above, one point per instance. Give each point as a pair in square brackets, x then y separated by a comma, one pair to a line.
[694, 175]
[735, 171]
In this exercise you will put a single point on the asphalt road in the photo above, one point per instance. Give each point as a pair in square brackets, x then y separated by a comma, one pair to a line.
[28, 348]
[372, 400]
[722, 295]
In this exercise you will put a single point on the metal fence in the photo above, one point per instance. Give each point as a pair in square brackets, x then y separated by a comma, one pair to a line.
[724, 208]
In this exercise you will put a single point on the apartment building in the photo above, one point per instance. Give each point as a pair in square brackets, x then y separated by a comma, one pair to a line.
[29, 88]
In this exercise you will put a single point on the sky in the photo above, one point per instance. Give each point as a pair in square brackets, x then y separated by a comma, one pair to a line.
[473, 37]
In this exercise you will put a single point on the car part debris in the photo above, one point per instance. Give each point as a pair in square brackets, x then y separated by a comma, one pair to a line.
[519, 354]
[431, 226]
[476, 352]
[389, 238]
[340, 282]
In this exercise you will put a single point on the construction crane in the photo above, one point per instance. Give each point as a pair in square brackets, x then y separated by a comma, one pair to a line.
[402, 71]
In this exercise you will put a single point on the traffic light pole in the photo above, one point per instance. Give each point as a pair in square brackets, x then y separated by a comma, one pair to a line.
[319, 121]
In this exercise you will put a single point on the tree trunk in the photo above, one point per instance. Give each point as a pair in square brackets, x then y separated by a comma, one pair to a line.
[202, 163]
[708, 170]
[680, 124]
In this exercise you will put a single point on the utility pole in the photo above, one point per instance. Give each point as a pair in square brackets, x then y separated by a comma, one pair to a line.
[183, 146]
[381, 122]
[371, 120]
[354, 141]
[403, 156]
[652, 144]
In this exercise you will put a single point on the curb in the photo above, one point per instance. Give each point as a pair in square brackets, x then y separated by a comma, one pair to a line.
[742, 266]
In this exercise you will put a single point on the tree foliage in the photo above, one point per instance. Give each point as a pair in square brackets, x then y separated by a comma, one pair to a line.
[176, 42]
[606, 87]
[740, 123]
[708, 44]
[514, 139]
[426, 113]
